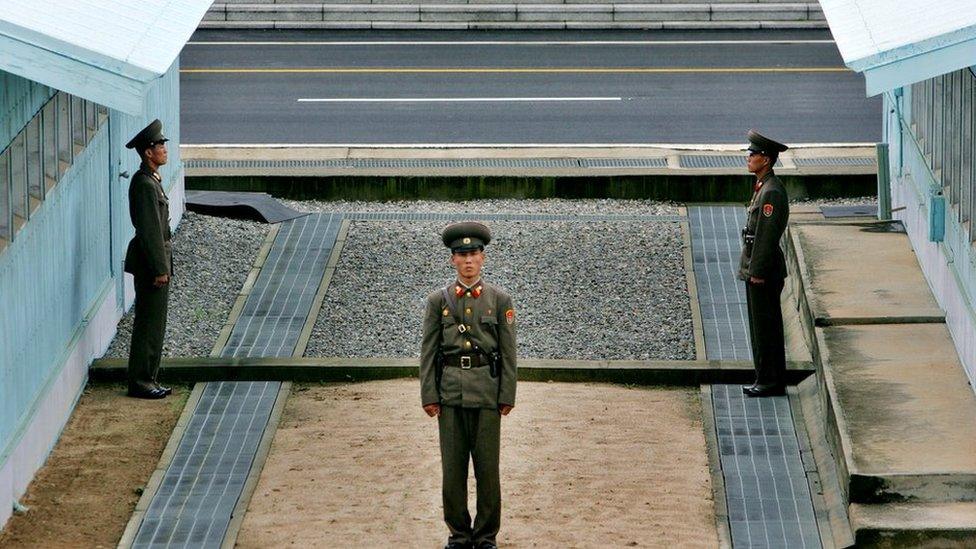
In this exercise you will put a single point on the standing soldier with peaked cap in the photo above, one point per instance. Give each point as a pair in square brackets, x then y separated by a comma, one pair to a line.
[763, 267]
[467, 380]
[149, 258]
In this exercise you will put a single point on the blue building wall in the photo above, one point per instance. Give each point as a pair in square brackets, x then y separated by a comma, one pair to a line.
[66, 261]
[930, 128]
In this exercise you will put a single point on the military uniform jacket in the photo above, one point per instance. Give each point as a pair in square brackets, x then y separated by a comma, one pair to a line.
[149, 253]
[489, 321]
[766, 219]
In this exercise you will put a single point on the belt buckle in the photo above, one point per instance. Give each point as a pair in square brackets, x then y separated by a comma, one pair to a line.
[465, 363]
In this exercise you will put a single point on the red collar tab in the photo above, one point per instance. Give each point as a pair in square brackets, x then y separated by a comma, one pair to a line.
[461, 290]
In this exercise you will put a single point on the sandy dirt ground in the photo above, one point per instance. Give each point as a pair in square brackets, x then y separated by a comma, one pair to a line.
[85, 493]
[583, 465]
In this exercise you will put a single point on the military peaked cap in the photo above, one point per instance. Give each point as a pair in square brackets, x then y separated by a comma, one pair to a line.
[762, 144]
[149, 136]
[463, 237]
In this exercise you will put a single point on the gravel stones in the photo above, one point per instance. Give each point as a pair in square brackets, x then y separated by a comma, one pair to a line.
[212, 257]
[534, 206]
[583, 290]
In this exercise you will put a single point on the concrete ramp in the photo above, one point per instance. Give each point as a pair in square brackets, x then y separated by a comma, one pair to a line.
[899, 412]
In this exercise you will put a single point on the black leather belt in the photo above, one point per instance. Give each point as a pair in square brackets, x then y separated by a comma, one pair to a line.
[465, 362]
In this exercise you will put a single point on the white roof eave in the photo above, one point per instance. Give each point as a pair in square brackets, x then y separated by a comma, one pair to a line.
[56, 54]
[877, 38]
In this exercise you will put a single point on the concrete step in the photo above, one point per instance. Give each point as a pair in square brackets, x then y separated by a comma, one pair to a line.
[897, 403]
[515, 14]
[914, 524]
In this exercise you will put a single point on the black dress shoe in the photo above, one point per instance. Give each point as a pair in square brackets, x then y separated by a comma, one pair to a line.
[149, 394]
[487, 545]
[457, 545]
[167, 390]
[747, 388]
[773, 389]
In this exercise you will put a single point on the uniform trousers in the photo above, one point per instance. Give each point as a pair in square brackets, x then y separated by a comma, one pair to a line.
[766, 331]
[470, 433]
[148, 330]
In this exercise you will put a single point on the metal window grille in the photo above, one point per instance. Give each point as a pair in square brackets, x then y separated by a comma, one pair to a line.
[943, 118]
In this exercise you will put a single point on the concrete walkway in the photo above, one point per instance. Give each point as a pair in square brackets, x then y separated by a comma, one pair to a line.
[900, 413]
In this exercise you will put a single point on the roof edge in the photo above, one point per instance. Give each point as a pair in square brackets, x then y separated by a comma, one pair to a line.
[923, 47]
[105, 87]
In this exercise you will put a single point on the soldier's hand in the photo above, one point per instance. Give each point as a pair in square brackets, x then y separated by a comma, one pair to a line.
[161, 280]
[756, 280]
[433, 410]
[504, 409]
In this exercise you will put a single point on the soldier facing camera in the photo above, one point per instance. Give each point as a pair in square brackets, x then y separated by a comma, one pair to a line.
[467, 381]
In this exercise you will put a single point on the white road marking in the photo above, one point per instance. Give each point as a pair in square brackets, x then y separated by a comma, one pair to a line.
[510, 43]
[450, 99]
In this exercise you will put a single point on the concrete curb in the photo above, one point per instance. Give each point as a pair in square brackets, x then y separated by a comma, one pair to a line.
[722, 525]
[649, 372]
[697, 326]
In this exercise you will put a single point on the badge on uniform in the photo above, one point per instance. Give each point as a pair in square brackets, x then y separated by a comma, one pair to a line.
[510, 316]
[767, 210]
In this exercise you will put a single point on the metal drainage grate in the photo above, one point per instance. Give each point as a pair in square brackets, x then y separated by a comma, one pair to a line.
[708, 161]
[201, 486]
[432, 163]
[389, 163]
[836, 161]
[715, 249]
[766, 485]
[623, 162]
[447, 216]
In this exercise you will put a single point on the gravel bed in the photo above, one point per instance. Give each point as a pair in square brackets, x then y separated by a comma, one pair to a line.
[534, 206]
[212, 257]
[853, 201]
[582, 290]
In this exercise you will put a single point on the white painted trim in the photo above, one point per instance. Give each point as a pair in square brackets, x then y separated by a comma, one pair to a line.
[54, 407]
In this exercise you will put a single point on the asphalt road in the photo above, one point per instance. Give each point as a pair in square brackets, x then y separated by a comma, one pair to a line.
[520, 88]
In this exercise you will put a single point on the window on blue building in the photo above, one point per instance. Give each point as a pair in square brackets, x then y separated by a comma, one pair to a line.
[39, 156]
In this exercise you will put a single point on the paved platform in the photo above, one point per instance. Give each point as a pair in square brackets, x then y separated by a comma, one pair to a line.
[899, 411]
[863, 274]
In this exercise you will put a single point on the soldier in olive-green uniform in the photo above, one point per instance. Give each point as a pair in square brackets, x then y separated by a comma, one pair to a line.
[467, 380]
[763, 267]
[150, 260]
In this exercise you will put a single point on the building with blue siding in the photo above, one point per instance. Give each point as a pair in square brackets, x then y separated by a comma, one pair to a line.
[78, 78]
[920, 55]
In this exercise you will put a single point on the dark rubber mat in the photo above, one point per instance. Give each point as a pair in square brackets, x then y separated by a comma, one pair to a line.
[256, 206]
[715, 248]
[766, 486]
[857, 210]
